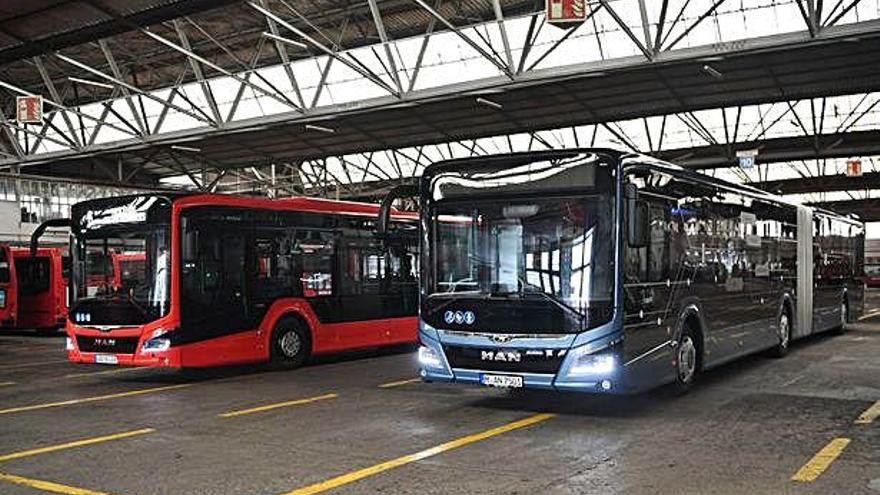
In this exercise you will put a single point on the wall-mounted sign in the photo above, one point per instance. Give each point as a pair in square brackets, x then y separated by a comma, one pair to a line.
[854, 168]
[746, 158]
[566, 11]
[29, 109]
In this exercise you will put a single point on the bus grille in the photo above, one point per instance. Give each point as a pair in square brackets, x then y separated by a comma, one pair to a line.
[530, 360]
[113, 345]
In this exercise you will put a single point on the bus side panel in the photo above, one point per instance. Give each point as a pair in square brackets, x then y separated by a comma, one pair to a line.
[9, 313]
[235, 348]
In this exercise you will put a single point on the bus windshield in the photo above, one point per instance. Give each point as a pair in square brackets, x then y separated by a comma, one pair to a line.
[121, 266]
[141, 283]
[535, 262]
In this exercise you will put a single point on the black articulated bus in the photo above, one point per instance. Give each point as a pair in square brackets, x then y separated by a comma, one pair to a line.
[602, 271]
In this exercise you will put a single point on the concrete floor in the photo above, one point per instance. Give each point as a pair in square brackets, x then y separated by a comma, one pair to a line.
[748, 428]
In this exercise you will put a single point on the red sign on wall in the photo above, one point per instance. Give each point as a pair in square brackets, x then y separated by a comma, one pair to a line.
[29, 109]
[563, 11]
[854, 168]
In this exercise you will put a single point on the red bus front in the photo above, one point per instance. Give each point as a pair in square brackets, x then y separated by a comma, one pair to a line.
[8, 292]
[41, 288]
[212, 280]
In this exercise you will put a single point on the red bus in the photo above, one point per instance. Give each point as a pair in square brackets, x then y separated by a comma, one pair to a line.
[41, 288]
[8, 292]
[230, 279]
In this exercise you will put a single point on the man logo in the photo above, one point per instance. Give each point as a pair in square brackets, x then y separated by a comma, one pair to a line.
[105, 342]
[501, 339]
[501, 356]
[449, 317]
[470, 317]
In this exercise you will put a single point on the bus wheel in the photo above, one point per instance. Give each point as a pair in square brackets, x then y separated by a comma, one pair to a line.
[844, 317]
[783, 327]
[686, 361]
[291, 344]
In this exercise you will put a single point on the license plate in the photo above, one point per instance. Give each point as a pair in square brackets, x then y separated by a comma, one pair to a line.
[106, 359]
[502, 381]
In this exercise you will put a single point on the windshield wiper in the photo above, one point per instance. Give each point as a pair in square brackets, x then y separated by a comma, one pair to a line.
[565, 307]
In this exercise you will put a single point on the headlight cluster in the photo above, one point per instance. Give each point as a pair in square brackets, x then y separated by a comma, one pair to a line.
[594, 364]
[157, 343]
[428, 357]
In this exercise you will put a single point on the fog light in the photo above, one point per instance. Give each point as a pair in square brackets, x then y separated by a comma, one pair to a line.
[428, 357]
[156, 345]
[69, 345]
[605, 384]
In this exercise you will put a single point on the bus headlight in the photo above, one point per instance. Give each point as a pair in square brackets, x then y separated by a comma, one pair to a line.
[2, 298]
[429, 358]
[593, 364]
[156, 344]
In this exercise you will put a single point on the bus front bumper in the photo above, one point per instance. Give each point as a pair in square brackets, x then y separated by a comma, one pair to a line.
[170, 358]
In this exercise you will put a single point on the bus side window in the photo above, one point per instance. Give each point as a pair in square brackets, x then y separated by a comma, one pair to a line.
[316, 248]
[651, 263]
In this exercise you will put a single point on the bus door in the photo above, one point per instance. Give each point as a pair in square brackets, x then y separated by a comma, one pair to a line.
[36, 294]
[213, 288]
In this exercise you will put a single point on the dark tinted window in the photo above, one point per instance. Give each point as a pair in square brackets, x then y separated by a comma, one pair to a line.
[33, 275]
[4, 266]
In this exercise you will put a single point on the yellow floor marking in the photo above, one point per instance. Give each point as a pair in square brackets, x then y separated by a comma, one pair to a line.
[869, 415]
[32, 365]
[71, 445]
[869, 315]
[48, 486]
[6, 384]
[105, 372]
[399, 383]
[820, 462]
[400, 461]
[277, 405]
[92, 399]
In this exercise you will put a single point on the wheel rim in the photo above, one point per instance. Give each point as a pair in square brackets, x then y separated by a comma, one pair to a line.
[784, 334]
[290, 344]
[687, 359]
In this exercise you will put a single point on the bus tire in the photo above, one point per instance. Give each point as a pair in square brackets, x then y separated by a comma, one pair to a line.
[844, 317]
[688, 359]
[783, 328]
[291, 344]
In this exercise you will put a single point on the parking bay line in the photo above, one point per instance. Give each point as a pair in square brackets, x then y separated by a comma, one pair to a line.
[400, 383]
[821, 461]
[277, 405]
[47, 486]
[418, 456]
[74, 444]
[869, 415]
[6, 384]
[72, 402]
[32, 365]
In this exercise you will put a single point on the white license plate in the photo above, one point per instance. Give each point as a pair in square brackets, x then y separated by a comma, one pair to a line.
[502, 381]
[106, 359]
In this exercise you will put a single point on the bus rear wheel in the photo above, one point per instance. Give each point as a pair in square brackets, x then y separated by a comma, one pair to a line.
[783, 328]
[291, 344]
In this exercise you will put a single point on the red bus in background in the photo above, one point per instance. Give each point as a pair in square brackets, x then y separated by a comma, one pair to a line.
[41, 288]
[218, 280]
[8, 291]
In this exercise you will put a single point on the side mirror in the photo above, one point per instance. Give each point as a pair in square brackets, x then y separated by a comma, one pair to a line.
[637, 221]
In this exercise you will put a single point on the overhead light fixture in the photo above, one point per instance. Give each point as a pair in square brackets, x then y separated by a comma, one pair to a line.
[312, 127]
[489, 103]
[712, 71]
[90, 83]
[185, 148]
[285, 40]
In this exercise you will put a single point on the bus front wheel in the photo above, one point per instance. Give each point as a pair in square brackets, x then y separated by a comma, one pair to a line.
[291, 344]
[783, 327]
[687, 361]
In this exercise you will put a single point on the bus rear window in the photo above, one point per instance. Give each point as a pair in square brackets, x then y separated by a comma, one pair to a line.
[32, 274]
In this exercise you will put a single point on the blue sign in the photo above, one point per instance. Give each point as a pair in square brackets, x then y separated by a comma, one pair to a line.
[449, 317]
[470, 317]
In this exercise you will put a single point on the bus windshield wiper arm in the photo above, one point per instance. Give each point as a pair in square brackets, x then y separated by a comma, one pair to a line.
[580, 316]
